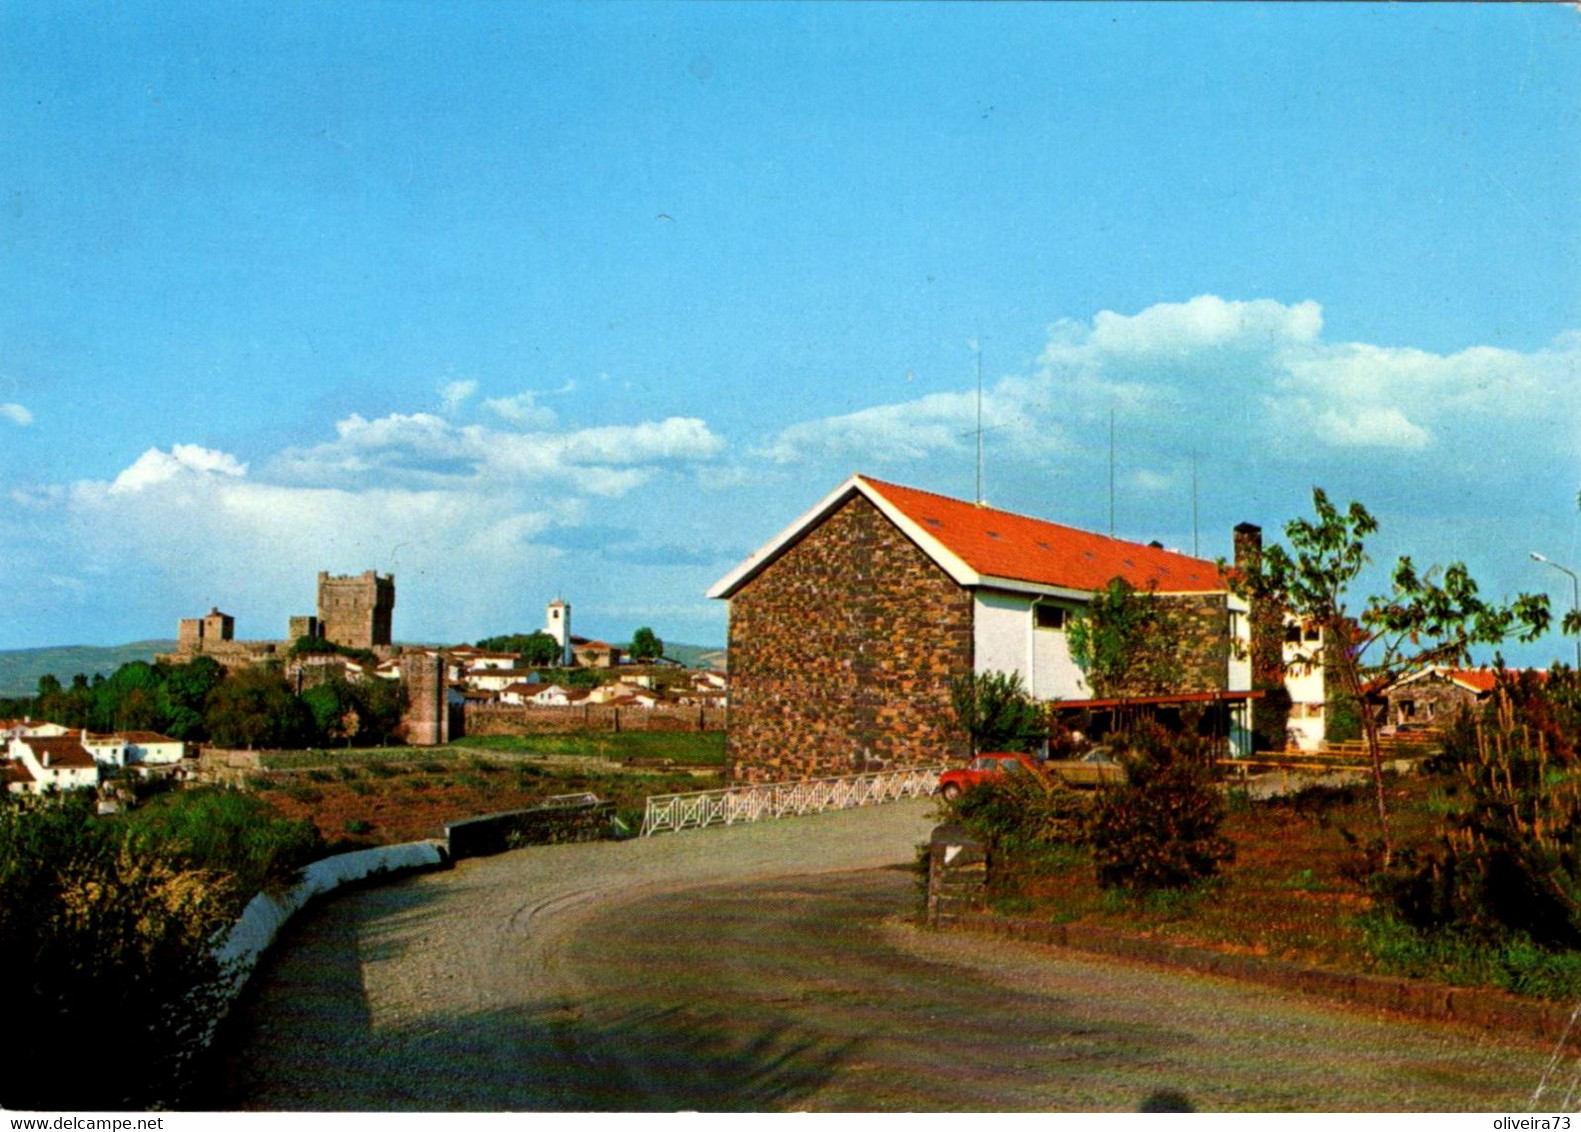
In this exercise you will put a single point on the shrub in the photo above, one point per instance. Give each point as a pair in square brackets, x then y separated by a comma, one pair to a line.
[1506, 863]
[995, 711]
[1020, 814]
[1160, 829]
[232, 833]
[356, 825]
[108, 940]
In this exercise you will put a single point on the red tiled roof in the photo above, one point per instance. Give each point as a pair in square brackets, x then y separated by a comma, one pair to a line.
[1005, 545]
[15, 770]
[145, 737]
[63, 750]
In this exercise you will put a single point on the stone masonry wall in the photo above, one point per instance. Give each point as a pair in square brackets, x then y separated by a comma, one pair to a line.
[1431, 700]
[841, 655]
[1205, 647]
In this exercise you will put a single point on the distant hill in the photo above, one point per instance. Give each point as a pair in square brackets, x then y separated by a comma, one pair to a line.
[21, 668]
[696, 656]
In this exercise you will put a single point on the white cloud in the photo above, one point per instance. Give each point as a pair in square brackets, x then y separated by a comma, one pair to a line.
[1371, 428]
[155, 467]
[1205, 322]
[1216, 375]
[16, 414]
[522, 410]
[454, 394]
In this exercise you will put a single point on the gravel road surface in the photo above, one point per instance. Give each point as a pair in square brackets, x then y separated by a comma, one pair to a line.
[773, 967]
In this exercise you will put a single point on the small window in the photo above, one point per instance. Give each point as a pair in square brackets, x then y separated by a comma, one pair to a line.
[1050, 616]
[1292, 634]
[1313, 634]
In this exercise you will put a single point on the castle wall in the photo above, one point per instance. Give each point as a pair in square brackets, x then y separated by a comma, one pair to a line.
[427, 719]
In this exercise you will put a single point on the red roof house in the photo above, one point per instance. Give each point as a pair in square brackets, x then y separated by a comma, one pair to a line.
[847, 627]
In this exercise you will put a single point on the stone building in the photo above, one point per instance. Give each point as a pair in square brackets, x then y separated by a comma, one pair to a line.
[355, 610]
[848, 627]
[1433, 696]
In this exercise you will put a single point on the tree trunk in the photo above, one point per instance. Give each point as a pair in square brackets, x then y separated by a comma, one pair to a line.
[1369, 727]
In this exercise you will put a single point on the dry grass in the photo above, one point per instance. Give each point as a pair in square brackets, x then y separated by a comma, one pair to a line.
[1294, 890]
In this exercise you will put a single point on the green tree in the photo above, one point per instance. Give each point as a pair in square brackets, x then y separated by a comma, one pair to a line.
[536, 649]
[1427, 618]
[381, 705]
[645, 646]
[256, 708]
[183, 696]
[334, 712]
[1129, 642]
[996, 713]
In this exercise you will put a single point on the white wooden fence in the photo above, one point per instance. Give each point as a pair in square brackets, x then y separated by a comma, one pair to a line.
[760, 801]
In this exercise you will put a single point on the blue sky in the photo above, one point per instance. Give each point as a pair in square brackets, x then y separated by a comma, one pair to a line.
[526, 300]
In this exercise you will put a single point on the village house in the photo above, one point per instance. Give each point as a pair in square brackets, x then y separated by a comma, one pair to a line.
[1433, 696]
[847, 628]
[58, 762]
[1308, 719]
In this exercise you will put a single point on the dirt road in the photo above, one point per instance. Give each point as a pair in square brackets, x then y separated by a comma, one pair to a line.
[774, 967]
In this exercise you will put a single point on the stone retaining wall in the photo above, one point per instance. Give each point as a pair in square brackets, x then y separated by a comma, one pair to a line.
[491, 719]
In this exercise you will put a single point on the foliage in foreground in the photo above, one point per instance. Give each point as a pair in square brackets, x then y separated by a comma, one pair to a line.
[994, 710]
[1159, 830]
[1506, 863]
[111, 984]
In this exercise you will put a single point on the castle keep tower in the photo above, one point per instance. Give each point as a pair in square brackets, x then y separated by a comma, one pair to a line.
[355, 610]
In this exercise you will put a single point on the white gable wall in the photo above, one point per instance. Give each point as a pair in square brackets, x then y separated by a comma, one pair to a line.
[1005, 639]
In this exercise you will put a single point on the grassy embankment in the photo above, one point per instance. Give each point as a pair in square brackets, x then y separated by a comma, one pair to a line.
[385, 795]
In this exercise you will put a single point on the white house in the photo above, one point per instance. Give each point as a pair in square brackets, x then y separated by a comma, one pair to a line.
[57, 762]
[152, 748]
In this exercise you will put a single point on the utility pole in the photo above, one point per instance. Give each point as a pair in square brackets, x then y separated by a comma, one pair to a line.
[1111, 473]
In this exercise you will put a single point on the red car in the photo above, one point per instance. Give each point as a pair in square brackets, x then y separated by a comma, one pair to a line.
[989, 764]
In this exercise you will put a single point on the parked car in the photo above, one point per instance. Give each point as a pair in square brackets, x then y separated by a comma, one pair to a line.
[988, 765]
[1096, 767]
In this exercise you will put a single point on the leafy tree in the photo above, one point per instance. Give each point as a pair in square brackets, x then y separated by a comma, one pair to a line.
[535, 649]
[645, 646]
[334, 712]
[994, 710]
[184, 694]
[256, 708]
[380, 705]
[1160, 828]
[48, 685]
[1129, 642]
[1431, 618]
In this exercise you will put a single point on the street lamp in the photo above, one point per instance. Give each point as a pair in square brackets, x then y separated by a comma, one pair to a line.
[1575, 597]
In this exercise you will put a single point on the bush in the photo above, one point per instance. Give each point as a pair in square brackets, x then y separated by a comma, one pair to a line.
[1160, 829]
[1506, 864]
[232, 833]
[107, 939]
[995, 711]
[1020, 814]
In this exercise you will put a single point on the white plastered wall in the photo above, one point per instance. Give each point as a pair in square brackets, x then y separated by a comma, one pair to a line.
[1006, 639]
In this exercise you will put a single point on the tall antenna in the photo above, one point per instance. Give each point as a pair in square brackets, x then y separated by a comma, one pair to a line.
[979, 496]
[1111, 473]
[1194, 553]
